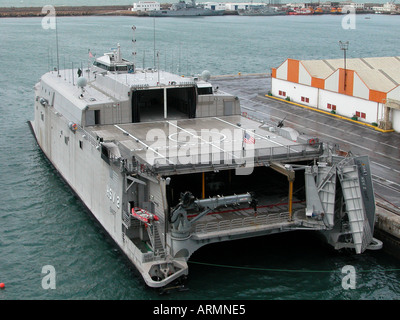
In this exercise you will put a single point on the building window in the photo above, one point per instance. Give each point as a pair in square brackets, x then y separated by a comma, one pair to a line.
[361, 115]
[282, 93]
[331, 106]
[305, 99]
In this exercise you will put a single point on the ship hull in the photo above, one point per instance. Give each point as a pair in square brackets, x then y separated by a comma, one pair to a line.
[262, 14]
[185, 13]
[98, 186]
[127, 144]
[89, 212]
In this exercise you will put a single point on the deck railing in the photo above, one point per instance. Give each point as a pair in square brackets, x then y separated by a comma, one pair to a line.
[88, 136]
[237, 223]
[223, 157]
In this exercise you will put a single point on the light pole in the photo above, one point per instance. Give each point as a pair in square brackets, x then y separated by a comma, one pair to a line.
[344, 46]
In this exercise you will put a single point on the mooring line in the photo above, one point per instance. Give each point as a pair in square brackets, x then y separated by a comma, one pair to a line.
[281, 270]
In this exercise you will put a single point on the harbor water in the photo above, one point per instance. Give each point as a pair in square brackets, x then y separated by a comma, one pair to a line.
[43, 226]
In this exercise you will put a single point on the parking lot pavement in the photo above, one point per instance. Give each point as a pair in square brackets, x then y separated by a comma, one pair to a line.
[381, 147]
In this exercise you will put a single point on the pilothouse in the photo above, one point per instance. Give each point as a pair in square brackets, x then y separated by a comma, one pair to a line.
[113, 61]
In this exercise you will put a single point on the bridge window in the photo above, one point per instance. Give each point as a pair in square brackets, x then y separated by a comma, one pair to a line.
[204, 90]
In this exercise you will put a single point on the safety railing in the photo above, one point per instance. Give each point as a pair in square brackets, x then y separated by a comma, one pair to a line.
[239, 157]
[88, 136]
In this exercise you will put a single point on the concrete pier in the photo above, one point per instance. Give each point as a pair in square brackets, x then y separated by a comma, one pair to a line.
[351, 136]
[387, 227]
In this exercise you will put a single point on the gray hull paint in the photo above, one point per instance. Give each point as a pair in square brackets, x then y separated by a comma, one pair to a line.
[185, 13]
[111, 164]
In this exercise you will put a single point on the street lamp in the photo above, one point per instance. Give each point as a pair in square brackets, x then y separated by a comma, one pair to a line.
[344, 46]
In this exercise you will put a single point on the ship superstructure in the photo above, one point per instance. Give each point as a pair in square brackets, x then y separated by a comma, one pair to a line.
[183, 9]
[168, 163]
[260, 10]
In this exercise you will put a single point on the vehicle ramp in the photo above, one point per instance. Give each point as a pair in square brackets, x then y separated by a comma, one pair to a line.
[349, 178]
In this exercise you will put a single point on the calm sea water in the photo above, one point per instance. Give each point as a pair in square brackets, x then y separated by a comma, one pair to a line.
[43, 223]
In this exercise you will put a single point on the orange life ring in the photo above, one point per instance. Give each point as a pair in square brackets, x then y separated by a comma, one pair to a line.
[311, 142]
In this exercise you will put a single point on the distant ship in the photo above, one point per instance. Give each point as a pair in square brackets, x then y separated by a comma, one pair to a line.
[336, 10]
[182, 9]
[301, 11]
[319, 11]
[260, 11]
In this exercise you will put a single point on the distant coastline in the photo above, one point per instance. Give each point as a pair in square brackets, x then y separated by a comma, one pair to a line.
[115, 10]
[67, 11]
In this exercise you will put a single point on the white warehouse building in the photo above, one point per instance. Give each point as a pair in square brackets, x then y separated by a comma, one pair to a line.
[368, 89]
[146, 6]
[234, 6]
[215, 5]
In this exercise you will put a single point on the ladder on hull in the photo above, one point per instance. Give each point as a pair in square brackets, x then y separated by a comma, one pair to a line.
[155, 240]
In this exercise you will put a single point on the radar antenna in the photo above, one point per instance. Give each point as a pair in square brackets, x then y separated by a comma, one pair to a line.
[206, 75]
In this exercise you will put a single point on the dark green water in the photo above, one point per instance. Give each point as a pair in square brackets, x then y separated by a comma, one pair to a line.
[42, 223]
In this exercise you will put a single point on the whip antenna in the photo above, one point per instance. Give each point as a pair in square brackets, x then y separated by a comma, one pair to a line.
[134, 45]
[58, 59]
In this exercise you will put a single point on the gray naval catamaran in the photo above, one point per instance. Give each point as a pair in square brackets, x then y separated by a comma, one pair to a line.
[168, 164]
[183, 9]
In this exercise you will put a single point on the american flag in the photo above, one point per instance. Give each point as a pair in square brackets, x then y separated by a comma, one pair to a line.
[248, 138]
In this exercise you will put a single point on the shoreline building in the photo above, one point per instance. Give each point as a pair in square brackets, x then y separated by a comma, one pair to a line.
[217, 6]
[387, 7]
[235, 6]
[143, 6]
[368, 89]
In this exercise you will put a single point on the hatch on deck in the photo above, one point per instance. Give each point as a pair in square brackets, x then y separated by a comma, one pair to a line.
[163, 103]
